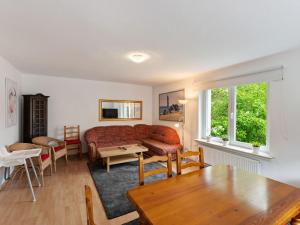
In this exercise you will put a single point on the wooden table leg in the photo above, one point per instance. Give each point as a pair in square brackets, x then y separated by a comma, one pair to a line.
[142, 219]
[107, 164]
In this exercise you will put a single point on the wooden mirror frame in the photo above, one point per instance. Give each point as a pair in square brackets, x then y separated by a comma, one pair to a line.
[119, 101]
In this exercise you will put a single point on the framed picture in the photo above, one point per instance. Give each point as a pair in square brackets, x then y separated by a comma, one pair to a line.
[169, 107]
[11, 97]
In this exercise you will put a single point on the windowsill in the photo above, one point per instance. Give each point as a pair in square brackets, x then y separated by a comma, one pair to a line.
[235, 149]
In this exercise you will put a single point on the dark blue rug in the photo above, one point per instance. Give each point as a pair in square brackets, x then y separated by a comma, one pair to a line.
[112, 187]
[133, 222]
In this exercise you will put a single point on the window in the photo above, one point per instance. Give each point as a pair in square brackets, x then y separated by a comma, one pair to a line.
[238, 113]
[219, 112]
[251, 107]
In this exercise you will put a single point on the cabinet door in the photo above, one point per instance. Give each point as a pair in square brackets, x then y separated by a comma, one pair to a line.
[39, 116]
[35, 117]
[43, 116]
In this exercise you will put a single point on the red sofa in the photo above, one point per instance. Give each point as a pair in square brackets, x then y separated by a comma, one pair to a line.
[160, 140]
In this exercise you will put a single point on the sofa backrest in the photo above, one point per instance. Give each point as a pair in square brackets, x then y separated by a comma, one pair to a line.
[109, 134]
[142, 131]
[164, 134]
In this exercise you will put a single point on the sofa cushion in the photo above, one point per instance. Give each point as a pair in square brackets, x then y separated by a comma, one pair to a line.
[126, 133]
[142, 131]
[58, 148]
[104, 145]
[161, 148]
[164, 134]
[110, 135]
[120, 143]
[44, 156]
[73, 142]
[53, 143]
[133, 142]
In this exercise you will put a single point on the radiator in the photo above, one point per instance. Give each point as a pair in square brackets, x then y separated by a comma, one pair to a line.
[217, 157]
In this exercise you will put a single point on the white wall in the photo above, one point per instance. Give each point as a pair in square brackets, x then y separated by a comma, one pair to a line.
[7, 135]
[191, 108]
[284, 112]
[75, 101]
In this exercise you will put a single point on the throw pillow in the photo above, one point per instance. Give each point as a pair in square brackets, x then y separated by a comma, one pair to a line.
[53, 143]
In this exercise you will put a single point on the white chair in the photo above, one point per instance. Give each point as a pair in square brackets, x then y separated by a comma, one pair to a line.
[18, 158]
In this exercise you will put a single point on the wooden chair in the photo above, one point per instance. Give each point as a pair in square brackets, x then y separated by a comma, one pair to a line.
[72, 138]
[296, 220]
[89, 205]
[181, 156]
[142, 162]
[42, 162]
[58, 147]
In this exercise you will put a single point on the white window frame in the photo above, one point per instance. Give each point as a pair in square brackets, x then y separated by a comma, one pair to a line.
[206, 118]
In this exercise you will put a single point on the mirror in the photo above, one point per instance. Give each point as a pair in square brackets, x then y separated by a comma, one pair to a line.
[120, 110]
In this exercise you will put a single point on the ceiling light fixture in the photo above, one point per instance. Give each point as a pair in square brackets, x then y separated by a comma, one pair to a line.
[138, 57]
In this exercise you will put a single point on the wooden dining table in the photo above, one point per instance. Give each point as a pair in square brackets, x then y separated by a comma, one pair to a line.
[221, 195]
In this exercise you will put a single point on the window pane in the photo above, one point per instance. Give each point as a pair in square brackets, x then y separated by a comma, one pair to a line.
[219, 112]
[251, 107]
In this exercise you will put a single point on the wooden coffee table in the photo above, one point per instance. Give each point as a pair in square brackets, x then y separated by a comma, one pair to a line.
[121, 154]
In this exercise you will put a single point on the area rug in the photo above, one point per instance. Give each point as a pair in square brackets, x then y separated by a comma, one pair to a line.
[133, 222]
[112, 187]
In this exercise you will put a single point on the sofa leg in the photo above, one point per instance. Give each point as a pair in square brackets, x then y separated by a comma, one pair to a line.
[107, 163]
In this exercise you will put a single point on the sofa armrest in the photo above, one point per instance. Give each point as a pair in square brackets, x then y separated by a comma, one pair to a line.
[92, 151]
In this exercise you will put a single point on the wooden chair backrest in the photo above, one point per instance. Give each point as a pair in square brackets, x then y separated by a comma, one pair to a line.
[142, 162]
[89, 205]
[72, 132]
[180, 165]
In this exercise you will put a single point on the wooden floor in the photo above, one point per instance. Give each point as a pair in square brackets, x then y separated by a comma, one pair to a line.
[61, 201]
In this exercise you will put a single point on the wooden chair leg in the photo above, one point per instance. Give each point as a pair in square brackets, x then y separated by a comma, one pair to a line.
[169, 164]
[50, 169]
[66, 157]
[80, 151]
[178, 162]
[54, 164]
[42, 177]
[141, 170]
[295, 221]
[201, 158]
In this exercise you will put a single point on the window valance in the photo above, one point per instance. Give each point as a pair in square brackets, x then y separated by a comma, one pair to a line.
[271, 74]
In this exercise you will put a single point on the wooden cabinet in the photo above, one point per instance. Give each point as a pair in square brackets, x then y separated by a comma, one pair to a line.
[35, 116]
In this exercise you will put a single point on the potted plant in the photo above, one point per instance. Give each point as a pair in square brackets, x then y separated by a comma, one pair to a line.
[225, 140]
[255, 146]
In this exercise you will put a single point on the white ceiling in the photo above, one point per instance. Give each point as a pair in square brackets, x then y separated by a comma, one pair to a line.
[89, 39]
